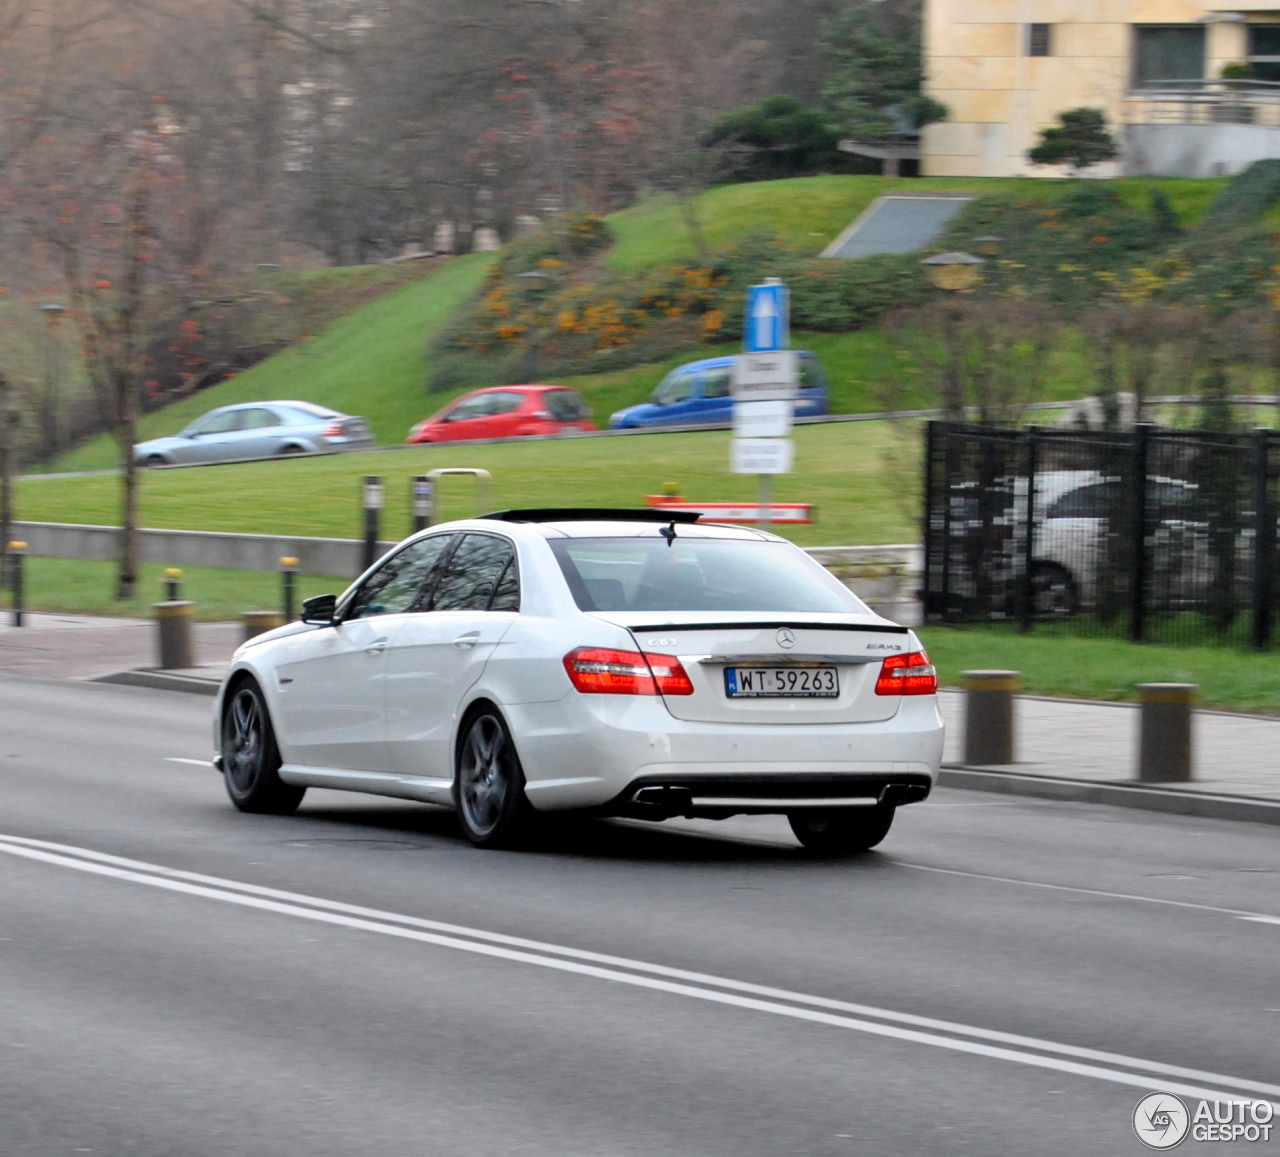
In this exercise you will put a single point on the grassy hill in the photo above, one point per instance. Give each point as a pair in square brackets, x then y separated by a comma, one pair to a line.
[840, 467]
[372, 362]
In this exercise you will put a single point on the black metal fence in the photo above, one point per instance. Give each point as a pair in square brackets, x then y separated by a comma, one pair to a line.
[1152, 535]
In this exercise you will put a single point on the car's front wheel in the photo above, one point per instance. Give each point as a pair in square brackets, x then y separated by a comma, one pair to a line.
[250, 757]
[154, 461]
[844, 831]
[488, 789]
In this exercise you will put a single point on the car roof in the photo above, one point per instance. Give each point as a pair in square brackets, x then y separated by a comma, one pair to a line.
[723, 362]
[305, 407]
[529, 389]
[604, 528]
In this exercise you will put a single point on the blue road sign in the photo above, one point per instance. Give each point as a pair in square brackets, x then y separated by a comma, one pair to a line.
[767, 325]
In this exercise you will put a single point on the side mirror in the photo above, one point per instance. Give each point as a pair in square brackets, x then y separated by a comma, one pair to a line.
[320, 610]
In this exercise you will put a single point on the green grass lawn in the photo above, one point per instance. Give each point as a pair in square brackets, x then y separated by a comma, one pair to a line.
[72, 586]
[1229, 679]
[810, 212]
[840, 467]
[372, 362]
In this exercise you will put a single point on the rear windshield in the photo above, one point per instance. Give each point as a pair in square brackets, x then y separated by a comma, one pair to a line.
[564, 405]
[697, 574]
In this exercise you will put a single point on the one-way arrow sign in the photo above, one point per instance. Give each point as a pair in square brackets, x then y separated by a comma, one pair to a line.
[768, 317]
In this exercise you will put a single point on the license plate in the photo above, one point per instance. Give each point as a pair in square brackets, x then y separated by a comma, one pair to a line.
[781, 682]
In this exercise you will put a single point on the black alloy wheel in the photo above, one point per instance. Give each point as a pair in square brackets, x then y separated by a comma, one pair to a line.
[488, 789]
[250, 758]
[842, 831]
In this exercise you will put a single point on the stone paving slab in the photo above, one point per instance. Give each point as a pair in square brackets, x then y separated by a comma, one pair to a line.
[86, 647]
[1098, 742]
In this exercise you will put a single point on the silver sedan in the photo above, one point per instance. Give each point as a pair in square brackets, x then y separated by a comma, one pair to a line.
[257, 430]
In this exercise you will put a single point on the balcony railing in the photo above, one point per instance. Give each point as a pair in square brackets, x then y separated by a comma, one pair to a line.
[1205, 102]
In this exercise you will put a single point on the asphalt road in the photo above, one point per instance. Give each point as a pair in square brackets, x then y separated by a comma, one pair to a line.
[1001, 977]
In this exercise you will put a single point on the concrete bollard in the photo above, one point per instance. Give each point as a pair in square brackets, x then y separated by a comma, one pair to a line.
[175, 651]
[1164, 735]
[15, 558]
[988, 717]
[259, 622]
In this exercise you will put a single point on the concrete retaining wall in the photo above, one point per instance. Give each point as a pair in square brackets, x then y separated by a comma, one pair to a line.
[324, 556]
[886, 577]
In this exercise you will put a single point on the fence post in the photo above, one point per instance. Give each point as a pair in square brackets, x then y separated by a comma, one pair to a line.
[988, 716]
[926, 595]
[1164, 739]
[1026, 607]
[422, 501]
[948, 474]
[1264, 542]
[1138, 535]
[372, 495]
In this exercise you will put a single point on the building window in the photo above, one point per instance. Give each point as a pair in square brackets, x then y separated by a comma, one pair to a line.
[1264, 50]
[1168, 52]
[1038, 42]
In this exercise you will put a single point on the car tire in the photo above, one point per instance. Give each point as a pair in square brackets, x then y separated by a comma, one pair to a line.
[842, 831]
[289, 451]
[155, 460]
[1054, 592]
[488, 784]
[250, 757]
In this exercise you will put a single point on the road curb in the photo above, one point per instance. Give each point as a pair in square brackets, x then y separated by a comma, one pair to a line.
[1131, 795]
[158, 680]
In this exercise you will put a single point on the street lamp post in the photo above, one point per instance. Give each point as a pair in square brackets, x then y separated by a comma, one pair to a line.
[953, 273]
[537, 284]
[49, 407]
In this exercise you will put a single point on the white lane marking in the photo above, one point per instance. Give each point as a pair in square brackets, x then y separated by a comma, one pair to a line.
[1262, 919]
[542, 954]
[1237, 912]
[197, 762]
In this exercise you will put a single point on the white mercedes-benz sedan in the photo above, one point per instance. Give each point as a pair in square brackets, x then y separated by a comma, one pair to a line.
[618, 662]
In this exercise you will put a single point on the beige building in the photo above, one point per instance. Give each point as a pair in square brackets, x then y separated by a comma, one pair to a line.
[1006, 68]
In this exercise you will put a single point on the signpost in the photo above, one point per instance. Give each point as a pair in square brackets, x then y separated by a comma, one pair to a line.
[765, 380]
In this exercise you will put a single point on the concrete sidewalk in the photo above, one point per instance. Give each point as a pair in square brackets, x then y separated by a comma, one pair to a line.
[1067, 749]
[92, 647]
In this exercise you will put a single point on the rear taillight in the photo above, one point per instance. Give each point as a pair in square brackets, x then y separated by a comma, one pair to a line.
[911, 674]
[603, 671]
[332, 430]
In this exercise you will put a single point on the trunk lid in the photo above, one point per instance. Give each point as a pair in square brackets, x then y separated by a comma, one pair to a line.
[709, 645]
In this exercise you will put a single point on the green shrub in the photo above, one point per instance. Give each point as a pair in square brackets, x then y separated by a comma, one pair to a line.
[1244, 200]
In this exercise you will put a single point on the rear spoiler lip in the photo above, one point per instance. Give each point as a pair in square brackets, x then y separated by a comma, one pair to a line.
[758, 625]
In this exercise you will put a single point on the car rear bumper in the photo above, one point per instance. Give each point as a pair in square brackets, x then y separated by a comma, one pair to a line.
[602, 751]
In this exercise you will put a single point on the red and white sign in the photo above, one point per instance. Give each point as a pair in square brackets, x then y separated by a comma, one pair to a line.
[790, 513]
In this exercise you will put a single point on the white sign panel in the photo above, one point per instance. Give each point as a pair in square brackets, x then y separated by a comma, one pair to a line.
[761, 456]
[766, 377]
[761, 419]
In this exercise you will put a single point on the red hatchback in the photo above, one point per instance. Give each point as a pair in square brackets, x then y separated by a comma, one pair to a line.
[506, 412]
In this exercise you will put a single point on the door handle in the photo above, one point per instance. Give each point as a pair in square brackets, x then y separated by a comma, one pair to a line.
[376, 648]
[464, 642]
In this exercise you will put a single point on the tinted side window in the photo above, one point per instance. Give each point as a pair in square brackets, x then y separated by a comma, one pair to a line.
[715, 384]
[471, 408]
[811, 374]
[675, 387]
[1095, 501]
[219, 423]
[395, 586]
[504, 403]
[472, 574]
[507, 595]
[259, 419]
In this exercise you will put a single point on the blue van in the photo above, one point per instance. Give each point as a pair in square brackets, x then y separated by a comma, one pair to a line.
[697, 394]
